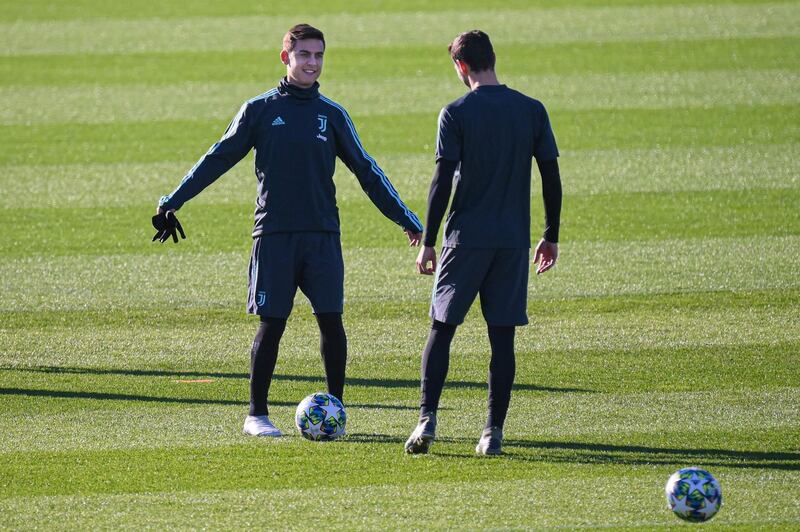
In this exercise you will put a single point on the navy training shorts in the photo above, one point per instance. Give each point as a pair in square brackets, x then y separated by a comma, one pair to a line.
[280, 263]
[499, 275]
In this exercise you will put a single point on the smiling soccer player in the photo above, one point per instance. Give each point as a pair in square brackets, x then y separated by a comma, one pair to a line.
[297, 134]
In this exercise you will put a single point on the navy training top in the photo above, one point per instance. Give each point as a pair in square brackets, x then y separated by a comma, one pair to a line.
[297, 135]
[493, 132]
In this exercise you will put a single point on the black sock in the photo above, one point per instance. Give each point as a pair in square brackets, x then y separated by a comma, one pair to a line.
[262, 362]
[435, 363]
[501, 373]
[333, 348]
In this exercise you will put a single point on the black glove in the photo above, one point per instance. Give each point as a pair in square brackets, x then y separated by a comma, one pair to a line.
[166, 223]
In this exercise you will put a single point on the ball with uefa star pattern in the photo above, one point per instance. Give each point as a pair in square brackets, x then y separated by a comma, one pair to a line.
[320, 417]
[693, 494]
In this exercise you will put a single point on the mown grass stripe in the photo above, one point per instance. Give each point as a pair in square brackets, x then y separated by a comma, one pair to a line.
[594, 218]
[584, 172]
[655, 418]
[408, 60]
[43, 10]
[693, 321]
[595, 24]
[537, 500]
[770, 410]
[412, 133]
[627, 306]
[115, 365]
[216, 279]
[213, 101]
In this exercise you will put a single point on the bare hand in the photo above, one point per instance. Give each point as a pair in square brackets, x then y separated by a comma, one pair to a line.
[545, 255]
[426, 255]
[413, 238]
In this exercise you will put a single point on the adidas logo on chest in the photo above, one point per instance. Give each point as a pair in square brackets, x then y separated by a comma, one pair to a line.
[278, 122]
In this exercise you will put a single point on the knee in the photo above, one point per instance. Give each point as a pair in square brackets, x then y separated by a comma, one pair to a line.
[443, 328]
[269, 332]
[330, 324]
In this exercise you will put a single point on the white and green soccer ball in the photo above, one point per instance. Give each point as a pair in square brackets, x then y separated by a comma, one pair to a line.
[693, 494]
[320, 417]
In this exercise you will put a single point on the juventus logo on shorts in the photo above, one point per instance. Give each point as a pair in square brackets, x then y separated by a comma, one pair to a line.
[261, 298]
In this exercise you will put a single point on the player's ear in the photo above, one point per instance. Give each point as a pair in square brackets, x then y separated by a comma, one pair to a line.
[284, 57]
[461, 67]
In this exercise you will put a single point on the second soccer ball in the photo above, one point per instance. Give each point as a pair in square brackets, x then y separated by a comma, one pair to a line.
[693, 494]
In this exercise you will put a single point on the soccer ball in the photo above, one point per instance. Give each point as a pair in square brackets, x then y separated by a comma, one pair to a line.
[693, 494]
[320, 417]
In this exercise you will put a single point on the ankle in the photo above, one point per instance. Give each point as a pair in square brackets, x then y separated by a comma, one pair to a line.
[493, 431]
[425, 414]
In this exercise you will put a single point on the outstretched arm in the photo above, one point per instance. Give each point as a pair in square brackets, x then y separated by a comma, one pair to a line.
[231, 148]
[373, 181]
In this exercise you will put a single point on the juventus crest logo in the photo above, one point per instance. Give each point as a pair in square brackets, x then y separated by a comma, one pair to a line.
[323, 123]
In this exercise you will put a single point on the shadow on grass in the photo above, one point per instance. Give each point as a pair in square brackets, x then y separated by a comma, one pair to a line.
[351, 381]
[103, 396]
[375, 438]
[602, 453]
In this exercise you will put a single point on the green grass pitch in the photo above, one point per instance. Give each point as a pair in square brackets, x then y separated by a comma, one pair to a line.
[668, 335]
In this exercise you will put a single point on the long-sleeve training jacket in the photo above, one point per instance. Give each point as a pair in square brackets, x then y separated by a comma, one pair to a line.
[297, 135]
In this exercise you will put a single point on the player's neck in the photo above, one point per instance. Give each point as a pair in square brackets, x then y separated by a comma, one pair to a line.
[482, 78]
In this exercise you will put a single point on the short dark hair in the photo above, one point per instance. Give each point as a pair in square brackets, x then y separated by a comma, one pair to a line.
[299, 32]
[473, 48]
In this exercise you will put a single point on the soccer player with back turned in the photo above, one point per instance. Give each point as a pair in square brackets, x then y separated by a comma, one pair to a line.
[485, 145]
[297, 134]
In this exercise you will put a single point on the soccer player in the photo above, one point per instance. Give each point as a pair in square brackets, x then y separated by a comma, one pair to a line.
[485, 145]
[297, 134]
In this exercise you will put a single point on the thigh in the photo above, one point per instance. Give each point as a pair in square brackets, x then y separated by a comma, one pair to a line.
[272, 277]
[459, 276]
[321, 276]
[504, 292]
